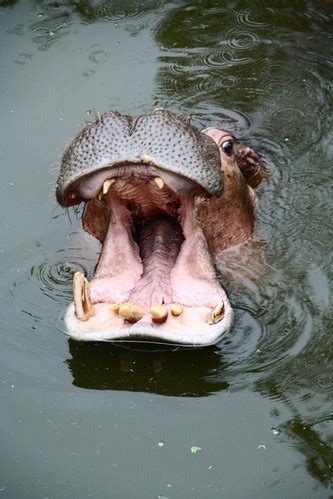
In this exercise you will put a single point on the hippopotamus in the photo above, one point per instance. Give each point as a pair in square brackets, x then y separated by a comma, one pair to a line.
[163, 198]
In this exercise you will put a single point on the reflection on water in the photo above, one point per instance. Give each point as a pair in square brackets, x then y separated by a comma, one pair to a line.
[264, 72]
[172, 371]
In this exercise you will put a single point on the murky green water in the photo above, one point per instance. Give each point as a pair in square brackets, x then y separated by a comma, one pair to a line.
[98, 420]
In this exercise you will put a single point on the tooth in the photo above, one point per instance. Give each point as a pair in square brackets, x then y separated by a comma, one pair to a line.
[82, 302]
[131, 313]
[100, 195]
[107, 184]
[216, 315]
[176, 309]
[115, 307]
[159, 182]
[159, 313]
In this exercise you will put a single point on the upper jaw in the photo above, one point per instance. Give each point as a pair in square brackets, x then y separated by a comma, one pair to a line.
[90, 186]
[158, 139]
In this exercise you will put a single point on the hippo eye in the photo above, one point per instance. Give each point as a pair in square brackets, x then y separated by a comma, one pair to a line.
[227, 147]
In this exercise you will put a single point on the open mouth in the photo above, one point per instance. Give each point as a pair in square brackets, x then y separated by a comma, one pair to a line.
[155, 279]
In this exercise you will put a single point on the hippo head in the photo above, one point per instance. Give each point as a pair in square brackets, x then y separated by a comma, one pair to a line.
[163, 198]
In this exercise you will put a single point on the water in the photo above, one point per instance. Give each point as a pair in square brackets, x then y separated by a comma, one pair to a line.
[98, 420]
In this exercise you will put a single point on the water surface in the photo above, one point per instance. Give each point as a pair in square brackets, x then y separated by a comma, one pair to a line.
[101, 420]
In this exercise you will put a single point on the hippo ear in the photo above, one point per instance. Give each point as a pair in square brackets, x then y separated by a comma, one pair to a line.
[250, 164]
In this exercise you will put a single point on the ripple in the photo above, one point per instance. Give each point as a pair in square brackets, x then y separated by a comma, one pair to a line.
[18, 29]
[227, 81]
[223, 59]
[135, 29]
[88, 72]
[266, 335]
[47, 283]
[55, 280]
[278, 78]
[234, 121]
[238, 39]
[295, 104]
[110, 13]
[23, 58]
[288, 116]
[98, 56]
[202, 82]
[50, 29]
[53, 6]
[275, 318]
[243, 18]
[176, 68]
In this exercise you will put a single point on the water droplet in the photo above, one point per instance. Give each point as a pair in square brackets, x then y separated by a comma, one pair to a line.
[88, 72]
[262, 446]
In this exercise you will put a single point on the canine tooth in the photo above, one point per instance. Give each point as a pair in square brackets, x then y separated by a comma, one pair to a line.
[216, 315]
[131, 313]
[176, 309]
[107, 184]
[159, 313]
[100, 195]
[82, 303]
[159, 182]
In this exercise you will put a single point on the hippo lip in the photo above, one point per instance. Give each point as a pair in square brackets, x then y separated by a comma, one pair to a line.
[154, 279]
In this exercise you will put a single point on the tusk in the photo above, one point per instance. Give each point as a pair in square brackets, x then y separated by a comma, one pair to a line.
[159, 313]
[159, 182]
[82, 303]
[132, 313]
[176, 309]
[216, 315]
[107, 184]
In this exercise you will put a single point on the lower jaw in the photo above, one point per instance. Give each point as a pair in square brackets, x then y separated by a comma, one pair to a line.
[190, 328]
[191, 285]
[192, 324]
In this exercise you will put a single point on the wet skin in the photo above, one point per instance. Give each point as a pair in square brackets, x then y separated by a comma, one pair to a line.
[164, 199]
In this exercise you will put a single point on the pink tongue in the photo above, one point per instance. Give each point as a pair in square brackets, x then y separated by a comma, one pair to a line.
[171, 263]
[125, 275]
[160, 241]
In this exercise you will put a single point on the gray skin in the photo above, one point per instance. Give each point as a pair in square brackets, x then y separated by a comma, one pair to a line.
[158, 138]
